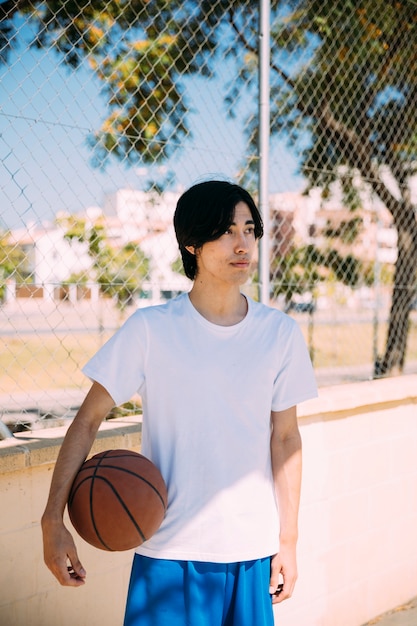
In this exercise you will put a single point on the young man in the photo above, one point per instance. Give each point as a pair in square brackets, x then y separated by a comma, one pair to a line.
[220, 376]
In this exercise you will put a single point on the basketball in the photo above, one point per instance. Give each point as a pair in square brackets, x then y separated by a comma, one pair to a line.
[117, 500]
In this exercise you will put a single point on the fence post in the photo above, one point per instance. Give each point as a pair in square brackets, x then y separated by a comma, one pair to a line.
[264, 131]
[10, 295]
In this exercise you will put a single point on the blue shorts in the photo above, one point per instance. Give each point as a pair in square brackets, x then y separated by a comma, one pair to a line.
[192, 593]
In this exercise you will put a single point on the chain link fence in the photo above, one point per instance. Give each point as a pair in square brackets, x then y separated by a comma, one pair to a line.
[109, 109]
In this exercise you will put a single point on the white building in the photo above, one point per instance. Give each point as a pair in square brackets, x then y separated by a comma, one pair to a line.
[145, 218]
[128, 216]
[162, 250]
[143, 212]
[51, 259]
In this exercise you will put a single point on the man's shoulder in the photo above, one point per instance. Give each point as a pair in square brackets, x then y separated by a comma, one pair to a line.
[166, 309]
[271, 313]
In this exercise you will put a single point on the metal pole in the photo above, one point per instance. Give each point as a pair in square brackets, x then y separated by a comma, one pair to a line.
[264, 123]
[377, 282]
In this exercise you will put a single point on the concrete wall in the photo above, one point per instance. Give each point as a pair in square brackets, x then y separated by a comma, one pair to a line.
[358, 543]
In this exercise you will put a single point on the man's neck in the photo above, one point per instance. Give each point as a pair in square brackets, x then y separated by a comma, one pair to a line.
[223, 307]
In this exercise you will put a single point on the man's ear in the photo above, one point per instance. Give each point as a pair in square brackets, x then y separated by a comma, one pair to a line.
[190, 249]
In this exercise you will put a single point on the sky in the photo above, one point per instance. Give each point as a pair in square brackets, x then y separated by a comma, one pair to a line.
[46, 113]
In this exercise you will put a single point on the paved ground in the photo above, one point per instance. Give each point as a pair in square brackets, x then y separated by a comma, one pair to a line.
[403, 615]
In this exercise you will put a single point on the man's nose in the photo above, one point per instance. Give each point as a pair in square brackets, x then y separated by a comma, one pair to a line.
[241, 243]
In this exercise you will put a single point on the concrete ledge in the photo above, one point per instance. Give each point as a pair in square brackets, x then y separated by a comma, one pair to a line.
[28, 449]
[34, 448]
[368, 395]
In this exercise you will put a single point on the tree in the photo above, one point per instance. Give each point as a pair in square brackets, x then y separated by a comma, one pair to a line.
[118, 271]
[12, 262]
[301, 269]
[137, 49]
[349, 110]
[122, 272]
[356, 99]
[344, 87]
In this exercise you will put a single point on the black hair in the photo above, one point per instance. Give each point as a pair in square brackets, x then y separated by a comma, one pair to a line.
[205, 212]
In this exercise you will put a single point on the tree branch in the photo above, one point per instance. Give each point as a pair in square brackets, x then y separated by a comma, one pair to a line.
[357, 152]
[10, 7]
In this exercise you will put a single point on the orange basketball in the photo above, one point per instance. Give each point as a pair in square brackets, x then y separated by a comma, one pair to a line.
[118, 500]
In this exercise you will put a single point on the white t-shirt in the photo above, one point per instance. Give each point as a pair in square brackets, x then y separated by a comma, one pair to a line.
[207, 394]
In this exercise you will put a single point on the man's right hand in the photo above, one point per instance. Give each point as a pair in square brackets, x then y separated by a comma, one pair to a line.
[60, 555]
[59, 550]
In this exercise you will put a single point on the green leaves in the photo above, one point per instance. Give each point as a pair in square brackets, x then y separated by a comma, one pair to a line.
[13, 262]
[119, 270]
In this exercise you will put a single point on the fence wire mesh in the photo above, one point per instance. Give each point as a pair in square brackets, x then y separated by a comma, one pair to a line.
[110, 109]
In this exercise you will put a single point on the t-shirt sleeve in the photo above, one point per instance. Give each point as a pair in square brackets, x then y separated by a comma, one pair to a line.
[295, 380]
[119, 364]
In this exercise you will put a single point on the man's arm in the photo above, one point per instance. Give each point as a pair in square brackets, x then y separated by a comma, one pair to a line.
[286, 468]
[59, 547]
